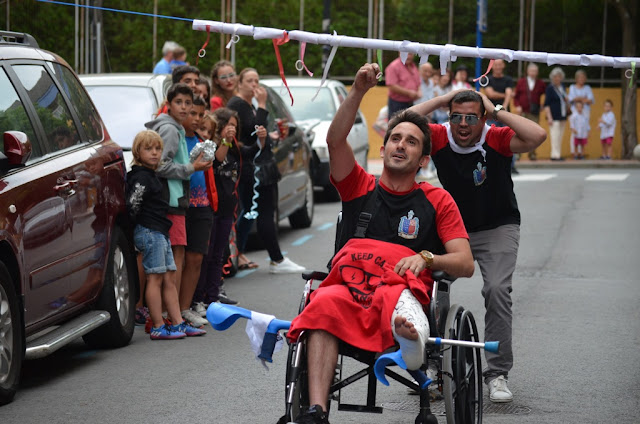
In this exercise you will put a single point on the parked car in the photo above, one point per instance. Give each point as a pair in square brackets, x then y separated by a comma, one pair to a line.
[295, 190]
[127, 101]
[66, 258]
[317, 116]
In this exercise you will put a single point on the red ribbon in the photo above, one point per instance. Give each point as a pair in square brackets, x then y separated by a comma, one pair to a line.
[278, 42]
[486, 73]
[206, 43]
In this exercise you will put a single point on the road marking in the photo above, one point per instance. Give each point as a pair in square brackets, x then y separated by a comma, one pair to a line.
[607, 177]
[325, 226]
[302, 240]
[245, 272]
[533, 177]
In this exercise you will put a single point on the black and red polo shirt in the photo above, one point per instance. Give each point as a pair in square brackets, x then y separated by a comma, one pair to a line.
[424, 217]
[478, 178]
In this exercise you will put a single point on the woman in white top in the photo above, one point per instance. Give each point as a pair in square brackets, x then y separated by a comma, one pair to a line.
[580, 91]
[461, 78]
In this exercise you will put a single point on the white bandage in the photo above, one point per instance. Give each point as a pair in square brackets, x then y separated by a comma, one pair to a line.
[409, 308]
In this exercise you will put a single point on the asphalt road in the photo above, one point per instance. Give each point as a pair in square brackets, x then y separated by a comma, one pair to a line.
[576, 329]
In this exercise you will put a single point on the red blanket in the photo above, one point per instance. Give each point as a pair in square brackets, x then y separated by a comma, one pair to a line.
[357, 299]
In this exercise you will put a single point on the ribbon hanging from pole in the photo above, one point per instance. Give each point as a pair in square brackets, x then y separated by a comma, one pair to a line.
[278, 42]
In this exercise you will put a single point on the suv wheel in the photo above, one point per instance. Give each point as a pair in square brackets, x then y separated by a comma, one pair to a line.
[117, 297]
[11, 340]
[303, 217]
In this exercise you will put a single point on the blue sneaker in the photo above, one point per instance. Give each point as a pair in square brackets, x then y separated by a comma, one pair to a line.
[188, 330]
[166, 332]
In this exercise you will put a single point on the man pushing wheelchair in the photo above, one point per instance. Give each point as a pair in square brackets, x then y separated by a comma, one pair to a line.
[398, 231]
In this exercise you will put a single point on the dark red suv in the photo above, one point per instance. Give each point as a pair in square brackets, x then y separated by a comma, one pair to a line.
[66, 262]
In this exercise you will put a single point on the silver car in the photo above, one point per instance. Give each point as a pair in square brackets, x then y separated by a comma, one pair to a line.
[126, 101]
[317, 116]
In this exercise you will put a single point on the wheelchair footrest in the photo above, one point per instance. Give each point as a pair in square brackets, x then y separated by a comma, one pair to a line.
[359, 408]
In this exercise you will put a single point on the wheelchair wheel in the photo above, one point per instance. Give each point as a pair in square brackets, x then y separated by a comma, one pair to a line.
[462, 370]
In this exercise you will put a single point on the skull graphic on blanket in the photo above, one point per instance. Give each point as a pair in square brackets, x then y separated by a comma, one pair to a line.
[361, 284]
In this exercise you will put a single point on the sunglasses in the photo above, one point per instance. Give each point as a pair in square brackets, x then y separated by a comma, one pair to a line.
[227, 76]
[456, 118]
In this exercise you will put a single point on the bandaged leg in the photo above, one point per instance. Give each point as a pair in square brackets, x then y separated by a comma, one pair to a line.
[410, 329]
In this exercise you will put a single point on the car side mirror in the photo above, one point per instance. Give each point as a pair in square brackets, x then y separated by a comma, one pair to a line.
[17, 148]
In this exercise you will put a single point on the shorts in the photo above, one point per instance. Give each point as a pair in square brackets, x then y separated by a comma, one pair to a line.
[178, 231]
[199, 223]
[157, 256]
[579, 141]
[608, 141]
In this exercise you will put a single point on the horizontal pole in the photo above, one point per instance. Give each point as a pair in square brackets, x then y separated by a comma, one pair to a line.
[446, 52]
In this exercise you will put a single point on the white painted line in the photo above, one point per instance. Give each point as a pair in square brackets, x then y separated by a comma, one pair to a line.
[607, 177]
[302, 240]
[325, 226]
[533, 177]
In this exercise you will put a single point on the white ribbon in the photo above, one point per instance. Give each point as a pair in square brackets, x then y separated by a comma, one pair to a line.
[256, 329]
[325, 73]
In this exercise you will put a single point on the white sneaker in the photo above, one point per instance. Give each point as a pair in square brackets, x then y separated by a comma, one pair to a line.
[498, 390]
[287, 266]
[194, 318]
[200, 308]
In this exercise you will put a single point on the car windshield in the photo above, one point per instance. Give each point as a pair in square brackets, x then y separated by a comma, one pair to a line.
[303, 108]
[124, 109]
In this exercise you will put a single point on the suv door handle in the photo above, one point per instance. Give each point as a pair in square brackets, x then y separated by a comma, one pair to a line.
[65, 187]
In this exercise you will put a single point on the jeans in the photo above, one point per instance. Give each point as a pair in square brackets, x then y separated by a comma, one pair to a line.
[157, 256]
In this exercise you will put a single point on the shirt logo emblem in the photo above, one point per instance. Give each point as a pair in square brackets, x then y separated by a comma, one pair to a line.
[480, 174]
[409, 226]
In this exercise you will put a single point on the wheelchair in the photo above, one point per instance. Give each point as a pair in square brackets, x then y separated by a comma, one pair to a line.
[459, 367]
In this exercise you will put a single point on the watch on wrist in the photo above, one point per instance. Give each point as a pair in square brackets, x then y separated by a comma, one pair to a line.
[495, 112]
[428, 257]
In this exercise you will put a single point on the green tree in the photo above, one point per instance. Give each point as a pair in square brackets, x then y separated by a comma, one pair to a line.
[628, 14]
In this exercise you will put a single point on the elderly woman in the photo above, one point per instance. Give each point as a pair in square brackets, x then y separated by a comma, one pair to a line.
[556, 106]
[580, 92]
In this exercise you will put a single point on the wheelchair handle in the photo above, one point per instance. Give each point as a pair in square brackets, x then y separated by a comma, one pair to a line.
[492, 347]
[271, 338]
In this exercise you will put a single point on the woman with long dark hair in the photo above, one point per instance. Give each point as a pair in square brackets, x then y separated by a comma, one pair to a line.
[253, 139]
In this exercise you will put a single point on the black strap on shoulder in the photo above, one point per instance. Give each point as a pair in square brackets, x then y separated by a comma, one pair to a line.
[371, 204]
[369, 208]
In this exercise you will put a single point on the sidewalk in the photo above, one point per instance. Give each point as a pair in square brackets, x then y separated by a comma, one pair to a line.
[375, 165]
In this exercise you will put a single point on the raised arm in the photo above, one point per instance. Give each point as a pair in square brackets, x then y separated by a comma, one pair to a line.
[528, 134]
[341, 159]
[429, 106]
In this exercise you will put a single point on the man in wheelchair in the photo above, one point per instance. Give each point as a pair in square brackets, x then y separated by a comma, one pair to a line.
[378, 285]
